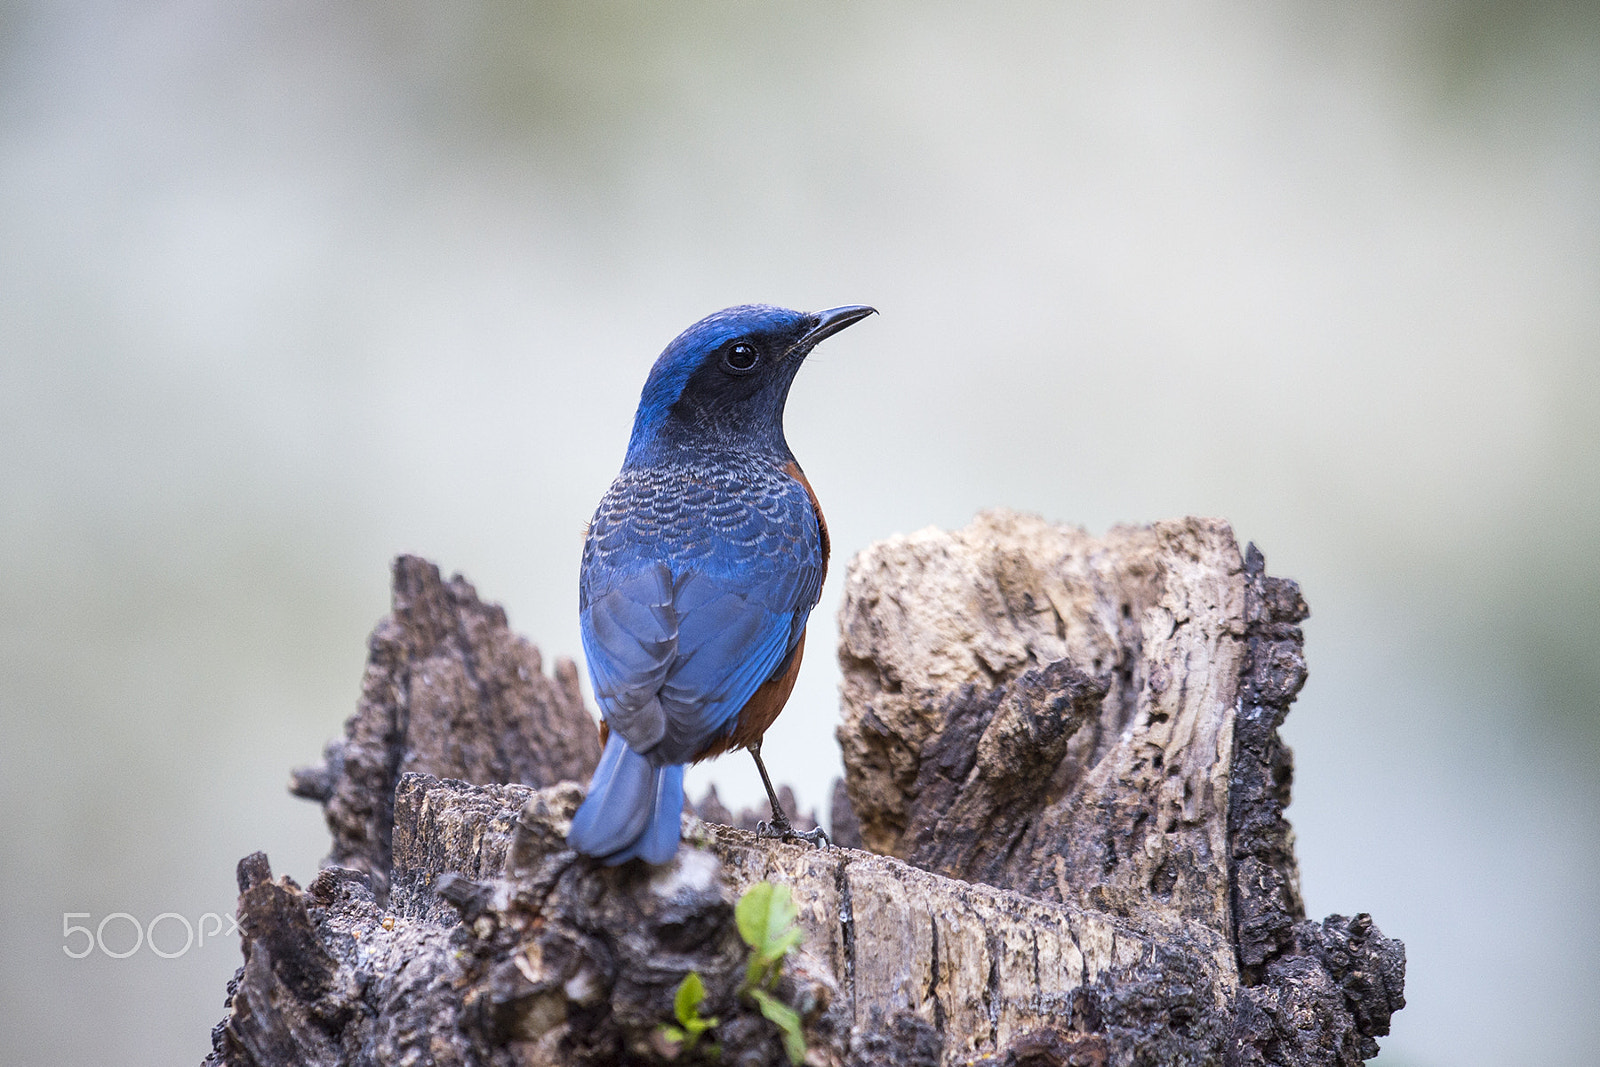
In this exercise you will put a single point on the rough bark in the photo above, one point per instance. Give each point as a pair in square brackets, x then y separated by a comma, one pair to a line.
[1131, 814]
[1065, 749]
[449, 690]
[1165, 806]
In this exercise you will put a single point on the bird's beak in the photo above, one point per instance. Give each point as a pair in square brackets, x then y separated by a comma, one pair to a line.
[831, 322]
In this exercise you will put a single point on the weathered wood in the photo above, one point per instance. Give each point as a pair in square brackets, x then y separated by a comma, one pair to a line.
[1165, 807]
[1065, 746]
[449, 690]
[1132, 815]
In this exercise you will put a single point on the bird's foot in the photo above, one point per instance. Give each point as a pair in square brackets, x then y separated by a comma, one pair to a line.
[779, 829]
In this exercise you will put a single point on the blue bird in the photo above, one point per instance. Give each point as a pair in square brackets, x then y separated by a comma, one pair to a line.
[700, 568]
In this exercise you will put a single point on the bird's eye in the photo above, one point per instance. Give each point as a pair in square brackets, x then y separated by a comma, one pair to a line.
[741, 357]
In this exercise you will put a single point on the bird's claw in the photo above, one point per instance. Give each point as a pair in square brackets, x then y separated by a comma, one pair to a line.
[780, 830]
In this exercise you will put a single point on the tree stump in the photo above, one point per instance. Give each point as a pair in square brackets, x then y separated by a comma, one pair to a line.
[1061, 751]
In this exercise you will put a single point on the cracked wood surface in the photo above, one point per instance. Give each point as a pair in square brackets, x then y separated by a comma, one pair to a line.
[1132, 816]
[1064, 747]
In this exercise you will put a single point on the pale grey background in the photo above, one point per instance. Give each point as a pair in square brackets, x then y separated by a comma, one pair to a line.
[287, 288]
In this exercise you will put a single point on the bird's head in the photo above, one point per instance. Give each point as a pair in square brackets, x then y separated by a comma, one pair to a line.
[723, 382]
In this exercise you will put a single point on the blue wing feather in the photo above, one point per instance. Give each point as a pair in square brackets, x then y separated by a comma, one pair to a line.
[630, 635]
[707, 688]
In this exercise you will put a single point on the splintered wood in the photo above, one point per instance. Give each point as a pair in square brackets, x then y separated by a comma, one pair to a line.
[1062, 753]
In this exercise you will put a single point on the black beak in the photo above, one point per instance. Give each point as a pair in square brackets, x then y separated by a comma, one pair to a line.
[831, 322]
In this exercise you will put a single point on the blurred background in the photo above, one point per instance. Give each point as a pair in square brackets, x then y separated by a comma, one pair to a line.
[288, 288]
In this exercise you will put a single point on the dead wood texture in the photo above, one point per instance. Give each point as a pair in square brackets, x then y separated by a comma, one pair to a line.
[1061, 750]
[449, 690]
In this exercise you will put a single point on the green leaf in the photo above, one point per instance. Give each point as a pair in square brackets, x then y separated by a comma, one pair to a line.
[686, 1008]
[751, 913]
[787, 1020]
[691, 991]
[766, 915]
[764, 912]
[779, 947]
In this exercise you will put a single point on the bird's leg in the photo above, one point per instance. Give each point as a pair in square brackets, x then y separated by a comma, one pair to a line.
[780, 821]
[780, 827]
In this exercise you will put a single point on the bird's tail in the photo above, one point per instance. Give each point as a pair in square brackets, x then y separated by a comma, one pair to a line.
[633, 808]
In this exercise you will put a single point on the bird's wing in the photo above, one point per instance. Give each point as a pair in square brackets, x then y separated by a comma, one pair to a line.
[673, 663]
[732, 636]
[692, 596]
[630, 637]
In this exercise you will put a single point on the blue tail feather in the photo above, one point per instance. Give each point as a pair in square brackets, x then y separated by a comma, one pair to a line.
[633, 808]
[659, 842]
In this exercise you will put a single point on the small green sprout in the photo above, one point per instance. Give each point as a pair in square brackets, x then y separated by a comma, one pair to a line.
[766, 917]
[786, 1019]
[686, 1009]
